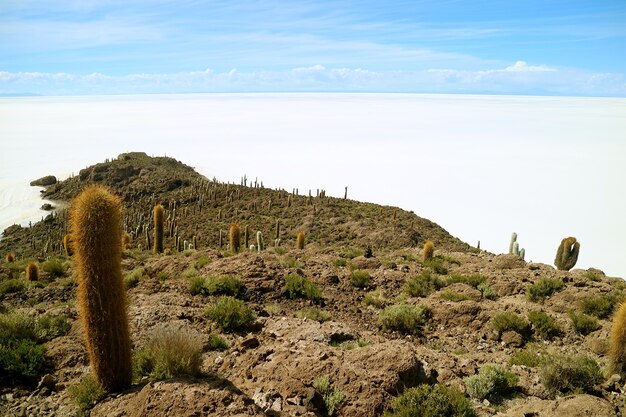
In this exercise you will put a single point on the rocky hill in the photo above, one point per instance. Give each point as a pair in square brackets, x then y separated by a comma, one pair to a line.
[333, 329]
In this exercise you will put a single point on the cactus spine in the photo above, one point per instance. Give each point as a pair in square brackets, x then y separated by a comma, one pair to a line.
[429, 250]
[234, 235]
[300, 240]
[96, 232]
[567, 254]
[32, 272]
[158, 228]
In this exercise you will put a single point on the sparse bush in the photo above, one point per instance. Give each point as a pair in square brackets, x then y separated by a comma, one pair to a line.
[350, 253]
[453, 296]
[405, 318]
[487, 291]
[291, 262]
[340, 262]
[55, 267]
[217, 342]
[297, 286]
[436, 264]
[530, 356]
[87, 393]
[431, 401]
[491, 380]
[216, 285]
[509, 321]
[332, 397]
[11, 286]
[47, 327]
[592, 276]
[423, 285]
[169, 353]
[583, 323]
[375, 298]
[162, 276]
[601, 305]
[21, 360]
[545, 287]
[360, 279]
[230, 313]
[573, 374]
[132, 278]
[201, 262]
[311, 313]
[544, 325]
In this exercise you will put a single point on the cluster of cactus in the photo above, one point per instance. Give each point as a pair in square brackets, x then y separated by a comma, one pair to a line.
[567, 254]
[514, 247]
[96, 232]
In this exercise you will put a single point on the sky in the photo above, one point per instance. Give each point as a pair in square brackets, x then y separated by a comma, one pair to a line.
[530, 47]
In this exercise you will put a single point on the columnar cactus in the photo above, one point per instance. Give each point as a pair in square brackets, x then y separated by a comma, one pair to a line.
[512, 243]
[32, 272]
[429, 250]
[567, 254]
[159, 213]
[300, 240]
[67, 244]
[260, 245]
[617, 348]
[96, 232]
[234, 235]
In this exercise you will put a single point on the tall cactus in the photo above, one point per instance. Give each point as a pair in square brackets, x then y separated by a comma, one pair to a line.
[567, 254]
[96, 232]
[512, 243]
[617, 349]
[260, 245]
[159, 213]
[234, 235]
[429, 250]
[300, 240]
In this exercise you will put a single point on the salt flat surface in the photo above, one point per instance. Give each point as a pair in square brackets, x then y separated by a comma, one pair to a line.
[480, 166]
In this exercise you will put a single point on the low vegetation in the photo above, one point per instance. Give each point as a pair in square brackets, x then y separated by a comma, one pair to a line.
[360, 279]
[217, 285]
[332, 398]
[423, 284]
[312, 313]
[297, 286]
[431, 401]
[570, 374]
[583, 323]
[509, 321]
[230, 313]
[491, 381]
[544, 325]
[544, 288]
[86, 393]
[404, 318]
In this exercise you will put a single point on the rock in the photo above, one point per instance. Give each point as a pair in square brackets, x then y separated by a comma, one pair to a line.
[573, 406]
[249, 342]
[44, 181]
[511, 338]
[361, 262]
[47, 207]
[47, 381]
[508, 261]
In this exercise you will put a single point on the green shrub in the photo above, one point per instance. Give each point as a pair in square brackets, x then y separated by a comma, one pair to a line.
[201, 262]
[509, 321]
[169, 353]
[487, 291]
[15, 325]
[573, 374]
[55, 267]
[21, 361]
[602, 305]
[405, 318]
[592, 276]
[436, 264]
[297, 286]
[47, 327]
[11, 286]
[583, 323]
[230, 313]
[471, 280]
[279, 250]
[350, 253]
[431, 401]
[544, 325]
[332, 397]
[340, 263]
[162, 276]
[375, 298]
[87, 393]
[423, 285]
[311, 313]
[360, 279]
[132, 278]
[216, 285]
[530, 356]
[453, 296]
[217, 342]
[491, 380]
[290, 262]
[545, 287]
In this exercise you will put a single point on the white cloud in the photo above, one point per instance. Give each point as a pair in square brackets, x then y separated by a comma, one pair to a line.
[518, 78]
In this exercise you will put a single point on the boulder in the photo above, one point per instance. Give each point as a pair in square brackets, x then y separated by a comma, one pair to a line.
[44, 181]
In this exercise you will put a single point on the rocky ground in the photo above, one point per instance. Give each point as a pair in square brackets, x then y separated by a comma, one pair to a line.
[270, 367]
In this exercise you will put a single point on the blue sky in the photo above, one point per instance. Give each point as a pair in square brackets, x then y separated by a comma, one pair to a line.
[447, 46]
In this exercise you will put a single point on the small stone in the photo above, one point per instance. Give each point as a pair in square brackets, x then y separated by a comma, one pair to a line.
[219, 360]
[615, 378]
[486, 402]
[249, 343]
[47, 381]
